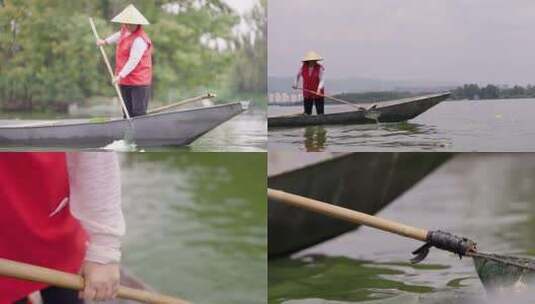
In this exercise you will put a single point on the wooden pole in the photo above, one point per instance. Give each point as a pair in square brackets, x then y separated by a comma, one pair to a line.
[334, 98]
[112, 75]
[181, 103]
[348, 215]
[61, 279]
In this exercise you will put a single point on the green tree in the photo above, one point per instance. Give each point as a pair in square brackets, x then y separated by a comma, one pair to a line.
[249, 71]
[517, 91]
[490, 92]
[471, 91]
[50, 59]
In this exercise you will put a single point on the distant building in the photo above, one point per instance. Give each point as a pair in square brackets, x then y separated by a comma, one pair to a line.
[284, 98]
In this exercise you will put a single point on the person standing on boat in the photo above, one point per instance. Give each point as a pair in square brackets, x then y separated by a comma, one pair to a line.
[133, 60]
[61, 211]
[312, 73]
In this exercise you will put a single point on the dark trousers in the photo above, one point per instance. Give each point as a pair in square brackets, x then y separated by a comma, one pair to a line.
[55, 295]
[309, 102]
[136, 99]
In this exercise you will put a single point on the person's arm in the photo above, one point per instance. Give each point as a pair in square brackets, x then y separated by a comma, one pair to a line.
[297, 79]
[136, 52]
[321, 85]
[112, 39]
[95, 200]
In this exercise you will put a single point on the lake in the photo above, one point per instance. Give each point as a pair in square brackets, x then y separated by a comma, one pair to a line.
[460, 126]
[244, 133]
[196, 224]
[489, 198]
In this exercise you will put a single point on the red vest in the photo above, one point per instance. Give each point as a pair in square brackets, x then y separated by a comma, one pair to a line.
[142, 73]
[311, 81]
[33, 227]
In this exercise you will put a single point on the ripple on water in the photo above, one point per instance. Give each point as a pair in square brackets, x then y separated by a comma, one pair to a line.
[187, 232]
[465, 126]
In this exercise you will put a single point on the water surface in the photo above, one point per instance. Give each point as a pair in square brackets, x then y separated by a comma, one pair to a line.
[489, 198]
[460, 126]
[196, 224]
[244, 133]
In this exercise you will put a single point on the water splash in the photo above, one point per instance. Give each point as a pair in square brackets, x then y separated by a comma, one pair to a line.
[126, 144]
[245, 104]
[121, 146]
[373, 115]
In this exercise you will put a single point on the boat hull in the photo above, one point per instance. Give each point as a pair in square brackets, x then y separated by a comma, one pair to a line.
[174, 128]
[365, 182]
[391, 111]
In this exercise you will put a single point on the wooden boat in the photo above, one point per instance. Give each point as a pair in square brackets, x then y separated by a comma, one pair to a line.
[387, 111]
[365, 182]
[170, 128]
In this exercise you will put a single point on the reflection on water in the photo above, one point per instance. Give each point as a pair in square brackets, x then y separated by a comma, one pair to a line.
[487, 125]
[315, 138]
[196, 224]
[489, 198]
[356, 280]
[384, 136]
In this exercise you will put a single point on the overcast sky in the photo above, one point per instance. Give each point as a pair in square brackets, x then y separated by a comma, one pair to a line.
[242, 7]
[439, 40]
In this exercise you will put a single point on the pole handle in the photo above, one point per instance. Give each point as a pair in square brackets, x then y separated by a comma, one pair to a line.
[181, 103]
[108, 65]
[348, 215]
[61, 279]
[332, 98]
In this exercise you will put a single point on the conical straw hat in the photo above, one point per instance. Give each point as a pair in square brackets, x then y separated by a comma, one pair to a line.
[312, 56]
[130, 15]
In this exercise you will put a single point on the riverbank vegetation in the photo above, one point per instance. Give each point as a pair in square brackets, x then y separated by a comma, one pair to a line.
[49, 58]
[490, 91]
[467, 91]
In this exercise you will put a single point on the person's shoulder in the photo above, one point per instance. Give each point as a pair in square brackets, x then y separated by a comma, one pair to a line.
[145, 38]
[141, 40]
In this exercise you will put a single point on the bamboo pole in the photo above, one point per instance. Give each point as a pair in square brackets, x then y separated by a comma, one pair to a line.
[334, 98]
[181, 103]
[348, 215]
[112, 75]
[61, 279]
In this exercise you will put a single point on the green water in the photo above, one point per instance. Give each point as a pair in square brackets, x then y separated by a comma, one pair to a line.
[312, 277]
[196, 224]
[489, 198]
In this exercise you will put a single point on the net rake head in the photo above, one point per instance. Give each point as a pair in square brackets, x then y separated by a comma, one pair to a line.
[498, 272]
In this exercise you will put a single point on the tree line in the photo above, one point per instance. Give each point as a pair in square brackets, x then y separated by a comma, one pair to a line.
[49, 58]
[490, 91]
[467, 91]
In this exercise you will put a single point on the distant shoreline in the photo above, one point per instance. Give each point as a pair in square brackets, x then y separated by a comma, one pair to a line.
[378, 100]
